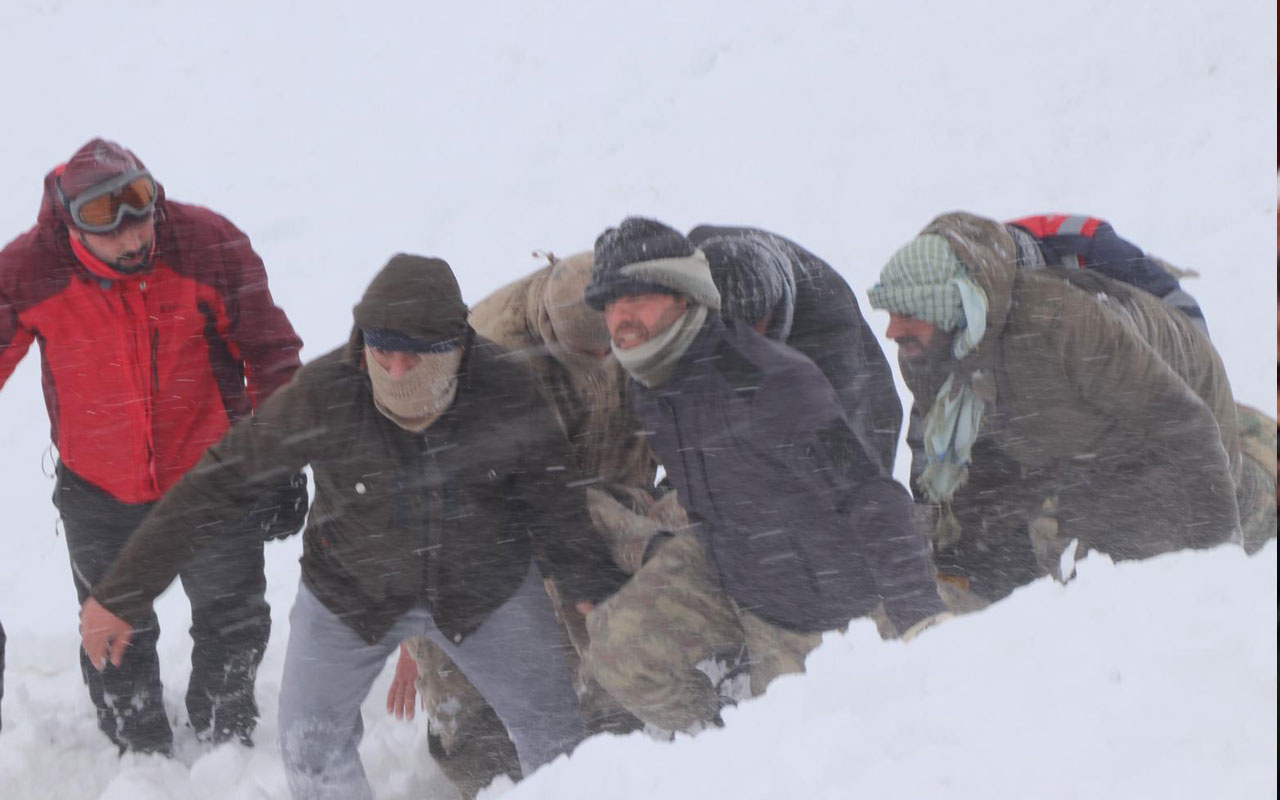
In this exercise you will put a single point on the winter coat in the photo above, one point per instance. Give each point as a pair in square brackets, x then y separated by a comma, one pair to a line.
[828, 327]
[449, 518]
[1104, 409]
[803, 527]
[143, 372]
[589, 400]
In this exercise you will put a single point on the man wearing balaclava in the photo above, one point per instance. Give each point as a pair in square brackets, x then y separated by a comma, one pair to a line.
[544, 317]
[444, 491]
[1056, 407]
[794, 528]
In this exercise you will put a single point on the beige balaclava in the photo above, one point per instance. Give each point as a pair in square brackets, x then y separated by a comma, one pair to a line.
[421, 395]
[413, 305]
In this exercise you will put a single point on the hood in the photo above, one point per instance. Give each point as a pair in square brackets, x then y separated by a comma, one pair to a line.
[412, 295]
[557, 310]
[990, 253]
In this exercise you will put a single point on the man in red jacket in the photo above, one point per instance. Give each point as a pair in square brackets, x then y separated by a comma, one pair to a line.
[157, 331]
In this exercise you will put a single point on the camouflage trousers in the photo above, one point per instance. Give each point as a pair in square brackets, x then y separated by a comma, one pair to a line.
[1256, 493]
[670, 643]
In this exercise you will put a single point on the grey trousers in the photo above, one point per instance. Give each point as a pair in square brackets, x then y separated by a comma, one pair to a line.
[515, 660]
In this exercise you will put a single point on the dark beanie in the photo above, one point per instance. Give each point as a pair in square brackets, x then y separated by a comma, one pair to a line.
[96, 162]
[621, 254]
[415, 297]
[754, 278]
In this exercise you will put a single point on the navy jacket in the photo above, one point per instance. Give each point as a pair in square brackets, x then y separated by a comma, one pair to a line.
[803, 527]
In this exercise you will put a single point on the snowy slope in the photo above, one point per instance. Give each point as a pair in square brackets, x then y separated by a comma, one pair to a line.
[338, 134]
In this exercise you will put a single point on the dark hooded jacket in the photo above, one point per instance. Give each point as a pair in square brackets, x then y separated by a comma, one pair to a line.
[449, 518]
[803, 527]
[827, 325]
[1100, 400]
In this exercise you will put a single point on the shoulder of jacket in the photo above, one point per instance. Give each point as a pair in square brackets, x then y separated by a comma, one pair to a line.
[31, 269]
[749, 361]
[491, 366]
[195, 227]
[503, 316]
[327, 372]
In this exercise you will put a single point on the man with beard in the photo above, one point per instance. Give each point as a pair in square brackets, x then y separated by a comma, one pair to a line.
[543, 318]
[157, 332]
[443, 491]
[794, 528]
[1056, 406]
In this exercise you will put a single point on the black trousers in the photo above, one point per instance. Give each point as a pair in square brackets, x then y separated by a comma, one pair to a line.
[230, 623]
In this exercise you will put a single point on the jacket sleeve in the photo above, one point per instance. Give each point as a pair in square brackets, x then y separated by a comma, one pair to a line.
[1175, 466]
[831, 330]
[572, 552]
[257, 330]
[881, 516]
[256, 454]
[14, 339]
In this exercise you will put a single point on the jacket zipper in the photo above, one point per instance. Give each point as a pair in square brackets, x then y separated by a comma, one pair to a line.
[140, 373]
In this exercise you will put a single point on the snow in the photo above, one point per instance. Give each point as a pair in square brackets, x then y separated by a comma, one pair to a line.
[337, 134]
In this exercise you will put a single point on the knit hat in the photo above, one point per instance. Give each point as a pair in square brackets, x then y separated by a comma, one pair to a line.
[754, 277]
[920, 281]
[643, 256]
[96, 162]
[415, 301]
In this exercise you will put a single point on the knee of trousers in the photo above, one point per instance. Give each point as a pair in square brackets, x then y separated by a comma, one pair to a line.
[313, 743]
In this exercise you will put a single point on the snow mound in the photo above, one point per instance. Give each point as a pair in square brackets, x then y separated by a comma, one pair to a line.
[1151, 679]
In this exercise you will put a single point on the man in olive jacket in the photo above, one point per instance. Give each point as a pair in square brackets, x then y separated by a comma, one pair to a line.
[442, 486]
[1057, 406]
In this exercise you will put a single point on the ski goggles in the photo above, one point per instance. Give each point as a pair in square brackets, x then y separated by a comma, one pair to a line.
[102, 208]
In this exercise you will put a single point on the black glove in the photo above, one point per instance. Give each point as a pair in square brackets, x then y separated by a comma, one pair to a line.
[280, 513]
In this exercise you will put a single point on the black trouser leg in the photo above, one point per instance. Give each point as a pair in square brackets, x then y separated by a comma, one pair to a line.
[129, 698]
[230, 623]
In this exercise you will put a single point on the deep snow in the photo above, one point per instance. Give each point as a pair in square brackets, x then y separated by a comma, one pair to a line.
[336, 135]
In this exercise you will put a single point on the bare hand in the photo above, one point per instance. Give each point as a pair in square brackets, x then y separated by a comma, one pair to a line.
[404, 688]
[585, 607]
[103, 635]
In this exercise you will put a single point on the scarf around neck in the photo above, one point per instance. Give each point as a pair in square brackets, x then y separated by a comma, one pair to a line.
[953, 422]
[653, 362]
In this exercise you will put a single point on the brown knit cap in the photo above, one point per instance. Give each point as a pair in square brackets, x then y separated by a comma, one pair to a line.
[414, 296]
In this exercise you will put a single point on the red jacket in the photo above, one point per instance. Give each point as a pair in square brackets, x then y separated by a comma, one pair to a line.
[143, 372]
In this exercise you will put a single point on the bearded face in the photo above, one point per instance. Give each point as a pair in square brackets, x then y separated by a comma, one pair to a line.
[925, 364]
